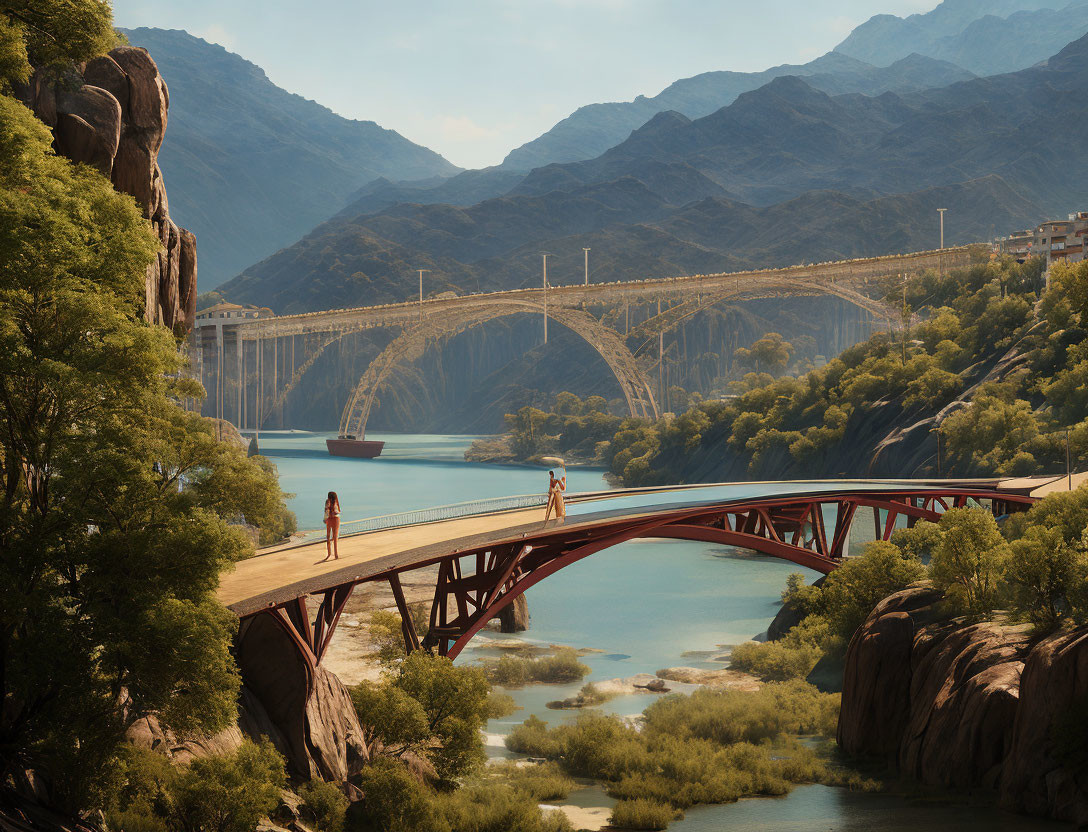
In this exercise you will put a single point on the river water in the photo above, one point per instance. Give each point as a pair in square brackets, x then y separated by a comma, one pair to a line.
[644, 605]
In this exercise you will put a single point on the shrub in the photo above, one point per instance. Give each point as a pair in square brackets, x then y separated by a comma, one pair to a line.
[395, 800]
[229, 792]
[775, 661]
[516, 671]
[533, 738]
[327, 803]
[543, 782]
[491, 808]
[642, 814]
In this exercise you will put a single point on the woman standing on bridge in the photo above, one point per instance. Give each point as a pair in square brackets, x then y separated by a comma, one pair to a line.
[332, 526]
[556, 487]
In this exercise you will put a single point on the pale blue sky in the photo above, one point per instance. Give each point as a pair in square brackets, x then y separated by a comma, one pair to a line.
[473, 79]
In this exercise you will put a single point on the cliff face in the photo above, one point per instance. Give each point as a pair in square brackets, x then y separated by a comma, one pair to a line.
[969, 706]
[111, 113]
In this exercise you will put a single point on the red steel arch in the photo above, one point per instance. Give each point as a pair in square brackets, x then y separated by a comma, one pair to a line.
[476, 583]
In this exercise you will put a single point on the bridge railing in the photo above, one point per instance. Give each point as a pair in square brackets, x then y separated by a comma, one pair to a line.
[469, 508]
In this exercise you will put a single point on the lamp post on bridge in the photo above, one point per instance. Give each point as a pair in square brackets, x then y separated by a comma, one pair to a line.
[941, 211]
[586, 250]
[421, 273]
[544, 258]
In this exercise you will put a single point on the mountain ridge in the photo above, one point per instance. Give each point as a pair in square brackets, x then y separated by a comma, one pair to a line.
[253, 167]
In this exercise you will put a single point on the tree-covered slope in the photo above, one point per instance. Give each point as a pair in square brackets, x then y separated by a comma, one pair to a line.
[252, 167]
[994, 368]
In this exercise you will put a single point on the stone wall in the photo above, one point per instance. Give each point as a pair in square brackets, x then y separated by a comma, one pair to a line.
[969, 706]
[111, 113]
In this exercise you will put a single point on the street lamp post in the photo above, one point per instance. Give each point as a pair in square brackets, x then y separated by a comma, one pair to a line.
[941, 211]
[544, 258]
[421, 273]
[586, 250]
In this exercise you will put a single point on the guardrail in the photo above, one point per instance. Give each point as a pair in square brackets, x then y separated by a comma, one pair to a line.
[469, 508]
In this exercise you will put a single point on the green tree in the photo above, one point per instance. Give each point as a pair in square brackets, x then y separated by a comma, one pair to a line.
[230, 792]
[51, 32]
[1047, 577]
[852, 591]
[969, 560]
[115, 503]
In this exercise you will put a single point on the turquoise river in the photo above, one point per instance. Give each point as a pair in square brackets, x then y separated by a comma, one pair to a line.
[645, 605]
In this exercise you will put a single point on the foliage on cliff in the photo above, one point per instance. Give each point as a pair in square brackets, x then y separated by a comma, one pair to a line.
[117, 507]
[51, 33]
[1033, 568]
[994, 418]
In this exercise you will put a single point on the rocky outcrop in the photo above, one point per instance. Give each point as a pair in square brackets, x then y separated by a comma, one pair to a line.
[310, 710]
[111, 113]
[968, 705]
[305, 711]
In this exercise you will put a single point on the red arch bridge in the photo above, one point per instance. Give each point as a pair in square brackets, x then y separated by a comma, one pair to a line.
[489, 552]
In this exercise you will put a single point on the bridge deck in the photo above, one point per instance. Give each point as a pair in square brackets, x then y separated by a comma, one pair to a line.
[278, 575]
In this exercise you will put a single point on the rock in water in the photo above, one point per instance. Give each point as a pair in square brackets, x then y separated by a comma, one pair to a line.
[112, 115]
[514, 618]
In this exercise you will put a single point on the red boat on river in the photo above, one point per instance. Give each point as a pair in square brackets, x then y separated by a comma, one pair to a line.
[358, 448]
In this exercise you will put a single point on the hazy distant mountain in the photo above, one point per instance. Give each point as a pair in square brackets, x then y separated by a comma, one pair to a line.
[251, 167]
[593, 129]
[786, 173]
[786, 138]
[984, 36]
[353, 262]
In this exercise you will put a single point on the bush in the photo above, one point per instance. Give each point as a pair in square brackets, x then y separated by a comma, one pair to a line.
[516, 671]
[543, 782]
[775, 661]
[642, 814]
[395, 800]
[230, 792]
[327, 802]
[533, 738]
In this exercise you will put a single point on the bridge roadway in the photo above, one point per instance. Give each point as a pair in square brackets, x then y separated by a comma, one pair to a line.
[816, 278]
[511, 548]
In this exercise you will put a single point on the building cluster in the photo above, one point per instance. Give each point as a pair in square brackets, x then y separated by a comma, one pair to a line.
[222, 311]
[1056, 240]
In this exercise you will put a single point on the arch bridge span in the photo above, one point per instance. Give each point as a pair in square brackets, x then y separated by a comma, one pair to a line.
[249, 384]
[488, 554]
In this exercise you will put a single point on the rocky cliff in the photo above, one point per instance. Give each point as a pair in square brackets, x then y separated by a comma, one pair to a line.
[111, 113]
[970, 706]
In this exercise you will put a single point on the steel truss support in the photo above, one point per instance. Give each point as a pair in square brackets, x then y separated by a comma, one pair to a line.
[475, 585]
[313, 638]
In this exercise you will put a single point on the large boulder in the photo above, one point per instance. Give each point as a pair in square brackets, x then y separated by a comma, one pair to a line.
[1045, 772]
[112, 114]
[964, 705]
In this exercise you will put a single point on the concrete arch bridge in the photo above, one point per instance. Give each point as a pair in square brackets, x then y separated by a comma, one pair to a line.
[247, 385]
[489, 552]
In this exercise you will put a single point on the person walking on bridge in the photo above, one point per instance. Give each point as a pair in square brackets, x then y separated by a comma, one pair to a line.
[556, 487]
[332, 527]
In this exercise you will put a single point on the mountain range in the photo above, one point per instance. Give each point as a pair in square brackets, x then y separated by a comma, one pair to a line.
[785, 173]
[987, 37]
[252, 167]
